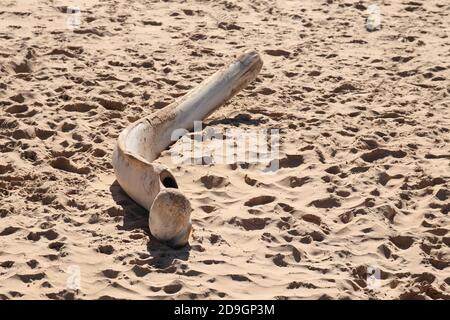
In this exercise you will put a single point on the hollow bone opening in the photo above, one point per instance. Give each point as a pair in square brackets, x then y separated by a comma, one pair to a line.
[168, 180]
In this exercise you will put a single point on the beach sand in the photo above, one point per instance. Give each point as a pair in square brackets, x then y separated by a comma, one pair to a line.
[364, 177]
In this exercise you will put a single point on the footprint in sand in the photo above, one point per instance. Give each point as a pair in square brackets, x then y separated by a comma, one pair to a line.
[172, 288]
[24, 66]
[260, 200]
[213, 181]
[64, 164]
[329, 202]
[106, 249]
[312, 219]
[253, 223]
[278, 53]
[110, 104]
[17, 108]
[208, 209]
[402, 242]
[28, 278]
[380, 153]
[110, 274]
[9, 230]
[80, 107]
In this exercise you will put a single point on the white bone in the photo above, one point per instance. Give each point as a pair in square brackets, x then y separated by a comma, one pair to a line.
[152, 185]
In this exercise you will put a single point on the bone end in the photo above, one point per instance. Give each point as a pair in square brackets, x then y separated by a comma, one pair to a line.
[169, 218]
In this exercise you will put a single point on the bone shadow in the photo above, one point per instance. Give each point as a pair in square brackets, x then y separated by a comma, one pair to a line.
[136, 217]
[236, 121]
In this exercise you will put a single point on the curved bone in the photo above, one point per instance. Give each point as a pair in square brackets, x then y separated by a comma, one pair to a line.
[152, 185]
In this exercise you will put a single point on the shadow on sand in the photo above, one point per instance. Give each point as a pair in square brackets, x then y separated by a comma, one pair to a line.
[242, 118]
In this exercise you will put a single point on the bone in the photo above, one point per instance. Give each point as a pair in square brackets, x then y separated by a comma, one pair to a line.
[152, 185]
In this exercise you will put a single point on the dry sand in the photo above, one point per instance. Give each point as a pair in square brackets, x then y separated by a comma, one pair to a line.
[364, 120]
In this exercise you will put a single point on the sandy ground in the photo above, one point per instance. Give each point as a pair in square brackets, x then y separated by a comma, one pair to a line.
[365, 156]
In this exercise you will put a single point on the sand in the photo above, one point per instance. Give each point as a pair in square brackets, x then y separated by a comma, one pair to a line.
[364, 146]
